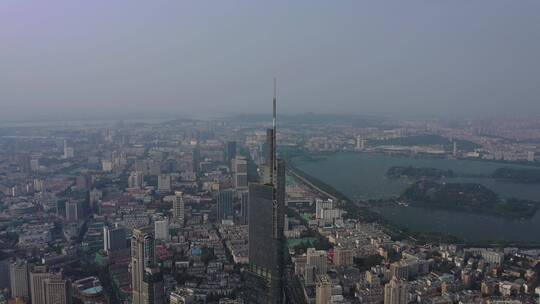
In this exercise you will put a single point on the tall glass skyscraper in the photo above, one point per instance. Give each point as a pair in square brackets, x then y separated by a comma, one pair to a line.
[266, 220]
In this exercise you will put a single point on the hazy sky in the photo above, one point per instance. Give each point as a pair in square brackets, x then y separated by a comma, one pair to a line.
[78, 58]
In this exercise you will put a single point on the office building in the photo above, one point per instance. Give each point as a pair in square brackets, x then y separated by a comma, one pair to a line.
[178, 208]
[240, 173]
[164, 183]
[18, 278]
[57, 291]
[244, 208]
[224, 205]
[396, 292]
[161, 228]
[230, 152]
[114, 238]
[72, 212]
[323, 289]
[145, 280]
[38, 275]
[152, 286]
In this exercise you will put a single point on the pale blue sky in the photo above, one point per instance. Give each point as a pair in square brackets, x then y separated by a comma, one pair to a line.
[71, 58]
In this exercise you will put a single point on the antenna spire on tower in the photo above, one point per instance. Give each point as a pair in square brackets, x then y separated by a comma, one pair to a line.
[274, 135]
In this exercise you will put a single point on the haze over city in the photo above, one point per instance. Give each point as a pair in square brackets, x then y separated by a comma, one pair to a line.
[92, 59]
[250, 152]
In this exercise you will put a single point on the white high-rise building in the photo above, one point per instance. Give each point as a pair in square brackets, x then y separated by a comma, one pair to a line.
[321, 205]
[135, 179]
[161, 228]
[164, 183]
[37, 277]
[106, 165]
[68, 151]
[18, 278]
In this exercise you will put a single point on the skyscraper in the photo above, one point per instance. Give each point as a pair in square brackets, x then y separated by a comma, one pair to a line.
[38, 275]
[178, 208]
[18, 276]
[72, 211]
[230, 152]
[114, 238]
[142, 259]
[224, 205]
[240, 173]
[152, 285]
[266, 220]
[244, 208]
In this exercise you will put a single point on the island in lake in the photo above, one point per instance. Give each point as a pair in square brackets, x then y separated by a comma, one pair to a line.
[466, 197]
[416, 173]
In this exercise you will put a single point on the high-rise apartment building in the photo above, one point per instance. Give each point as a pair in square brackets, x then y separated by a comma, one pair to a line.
[161, 228]
[178, 208]
[317, 259]
[396, 292]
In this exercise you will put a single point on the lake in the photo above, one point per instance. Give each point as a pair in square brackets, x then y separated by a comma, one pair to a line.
[363, 176]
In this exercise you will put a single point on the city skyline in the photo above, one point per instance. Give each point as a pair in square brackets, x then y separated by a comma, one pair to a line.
[141, 161]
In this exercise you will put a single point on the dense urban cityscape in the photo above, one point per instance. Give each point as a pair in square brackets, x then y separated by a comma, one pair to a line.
[202, 211]
[269, 152]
